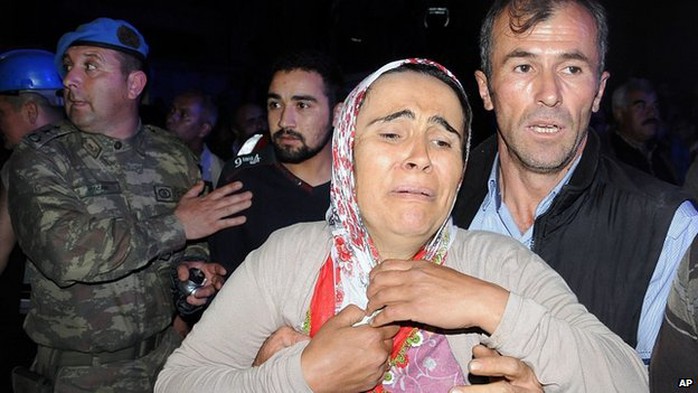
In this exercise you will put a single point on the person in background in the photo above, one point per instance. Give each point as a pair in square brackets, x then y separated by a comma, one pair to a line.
[635, 136]
[29, 99]
[192, 116]
[615, 234]
[304, 91]
[393, 296]
[108, 211]
[248, 119]
[673, 366]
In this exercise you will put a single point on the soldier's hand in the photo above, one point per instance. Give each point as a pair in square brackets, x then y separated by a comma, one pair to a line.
[215, 278]
[202, 215]
[507, 374]
[282, 338]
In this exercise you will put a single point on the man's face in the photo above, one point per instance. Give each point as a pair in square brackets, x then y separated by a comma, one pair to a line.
[185, 120]
[299, 115]
[97, 94]
[543, 88]
[13, 122]
[639, 119]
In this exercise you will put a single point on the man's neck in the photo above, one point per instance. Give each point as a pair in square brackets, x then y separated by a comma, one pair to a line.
[119, 129]
[522, 190]
[316, 170]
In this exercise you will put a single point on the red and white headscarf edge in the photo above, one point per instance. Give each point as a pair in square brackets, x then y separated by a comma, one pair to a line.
[353, 253]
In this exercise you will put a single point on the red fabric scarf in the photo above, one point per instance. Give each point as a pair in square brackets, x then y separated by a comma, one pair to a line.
[322, 308]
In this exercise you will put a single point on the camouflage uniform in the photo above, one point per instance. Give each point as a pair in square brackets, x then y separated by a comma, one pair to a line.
[674, 366]
[96, 218]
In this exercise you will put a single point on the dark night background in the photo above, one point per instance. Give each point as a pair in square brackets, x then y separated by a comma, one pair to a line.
[199, 43]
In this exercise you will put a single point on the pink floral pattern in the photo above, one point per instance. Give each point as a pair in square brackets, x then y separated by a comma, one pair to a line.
[433, 370]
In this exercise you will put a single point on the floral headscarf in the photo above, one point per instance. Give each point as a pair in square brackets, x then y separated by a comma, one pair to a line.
[353, 252]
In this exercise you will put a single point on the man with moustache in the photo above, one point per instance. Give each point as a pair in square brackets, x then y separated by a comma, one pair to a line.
[635, 138]
[110, 213]
[615, 234]
[305, 88]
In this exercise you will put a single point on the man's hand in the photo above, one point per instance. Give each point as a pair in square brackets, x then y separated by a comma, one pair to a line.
[507, 374]
[215, 278]
[202, 215]
[418, 290]
[342, 358]
[282, 338]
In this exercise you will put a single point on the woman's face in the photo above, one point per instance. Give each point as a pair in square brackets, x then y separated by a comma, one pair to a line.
[408, 158]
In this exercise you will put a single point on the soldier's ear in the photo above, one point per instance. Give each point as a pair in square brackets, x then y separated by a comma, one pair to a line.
[31, 111]
[136, 84]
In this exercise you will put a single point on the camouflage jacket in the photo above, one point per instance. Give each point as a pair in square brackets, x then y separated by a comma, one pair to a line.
[674, 366]
[95, 216]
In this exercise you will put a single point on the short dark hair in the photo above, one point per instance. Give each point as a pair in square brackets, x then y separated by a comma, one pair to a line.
[317, 61]
[130, 63]
[526, 14]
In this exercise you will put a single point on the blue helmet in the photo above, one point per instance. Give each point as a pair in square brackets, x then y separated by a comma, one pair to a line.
[28, 69]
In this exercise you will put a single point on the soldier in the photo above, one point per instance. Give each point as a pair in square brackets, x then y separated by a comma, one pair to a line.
[673, 366]
[29, 84]
[105, 209]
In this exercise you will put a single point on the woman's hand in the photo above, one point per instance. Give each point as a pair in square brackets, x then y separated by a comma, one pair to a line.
[435, 295]
[343, 358]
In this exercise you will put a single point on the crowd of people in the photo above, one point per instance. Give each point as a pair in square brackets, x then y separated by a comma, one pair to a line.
[349, 238]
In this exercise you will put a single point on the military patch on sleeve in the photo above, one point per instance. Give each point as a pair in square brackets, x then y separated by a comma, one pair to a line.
[43, 135]
[165, 194]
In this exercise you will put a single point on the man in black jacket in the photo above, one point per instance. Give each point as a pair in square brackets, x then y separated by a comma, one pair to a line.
[615, 234]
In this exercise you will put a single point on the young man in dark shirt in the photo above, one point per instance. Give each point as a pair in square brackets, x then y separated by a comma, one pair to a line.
[292, 185]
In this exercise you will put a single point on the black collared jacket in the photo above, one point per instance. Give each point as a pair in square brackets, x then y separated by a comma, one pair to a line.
[603, 232]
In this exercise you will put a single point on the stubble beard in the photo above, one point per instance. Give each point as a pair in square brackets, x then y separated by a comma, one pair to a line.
[531, 161]
[296, 155]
